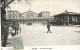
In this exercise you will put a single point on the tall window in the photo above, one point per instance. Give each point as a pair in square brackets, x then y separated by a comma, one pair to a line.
[9, 15]
[13, 16]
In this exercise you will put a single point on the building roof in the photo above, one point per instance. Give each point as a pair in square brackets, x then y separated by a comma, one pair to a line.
[68, 13]
[44, 12]
[29, 11]
[13, 11]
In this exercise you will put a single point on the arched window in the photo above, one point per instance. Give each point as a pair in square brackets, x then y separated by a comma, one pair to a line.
[29, 15]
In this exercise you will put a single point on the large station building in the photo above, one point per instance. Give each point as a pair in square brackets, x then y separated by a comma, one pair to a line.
[29, 17]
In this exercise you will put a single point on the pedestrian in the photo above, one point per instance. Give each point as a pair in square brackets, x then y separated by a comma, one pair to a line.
[6, 33]
[15, 27]
[48, 27]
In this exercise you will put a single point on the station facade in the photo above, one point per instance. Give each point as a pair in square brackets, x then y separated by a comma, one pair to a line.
[29, 17]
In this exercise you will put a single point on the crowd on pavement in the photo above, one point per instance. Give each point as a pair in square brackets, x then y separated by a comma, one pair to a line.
[9, 29]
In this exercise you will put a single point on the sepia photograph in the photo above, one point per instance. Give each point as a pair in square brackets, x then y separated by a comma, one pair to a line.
[39, 23]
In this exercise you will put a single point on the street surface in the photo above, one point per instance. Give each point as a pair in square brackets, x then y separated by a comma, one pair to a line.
[61, 35]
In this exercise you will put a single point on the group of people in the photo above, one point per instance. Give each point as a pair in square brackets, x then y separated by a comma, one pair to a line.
[9, 29]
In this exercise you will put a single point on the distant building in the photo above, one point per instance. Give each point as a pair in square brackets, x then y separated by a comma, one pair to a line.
[29, 17]
[44, 14]
[32, 17]
[67, 18]
[13, 15]
[29, 14]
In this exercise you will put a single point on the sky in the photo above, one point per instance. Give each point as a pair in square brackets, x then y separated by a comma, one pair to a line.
[53, 6]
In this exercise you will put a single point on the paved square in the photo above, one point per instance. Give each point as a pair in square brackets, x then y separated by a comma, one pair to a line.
[61, 35]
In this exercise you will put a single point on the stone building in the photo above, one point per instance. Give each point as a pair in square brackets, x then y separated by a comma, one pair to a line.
[13, 15]
[45, 15]
[32, 17]
[29, 17]
[67, 18]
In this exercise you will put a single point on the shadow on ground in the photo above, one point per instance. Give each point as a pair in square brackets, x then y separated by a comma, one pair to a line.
[77, 31]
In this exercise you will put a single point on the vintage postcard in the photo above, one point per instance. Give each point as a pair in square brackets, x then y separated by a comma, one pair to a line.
[40, 24]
